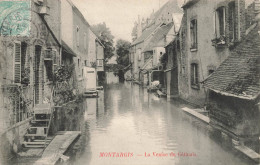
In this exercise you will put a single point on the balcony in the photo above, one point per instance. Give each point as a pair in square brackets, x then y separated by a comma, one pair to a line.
[219, 42]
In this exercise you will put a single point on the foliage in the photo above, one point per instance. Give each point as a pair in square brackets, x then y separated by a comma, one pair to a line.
[14, 93]
[25, 78]
[113, 67]
[63, 72]
[106, 38]
[64, 91]
[123, 50]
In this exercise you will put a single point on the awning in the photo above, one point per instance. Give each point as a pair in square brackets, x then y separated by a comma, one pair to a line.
[67, 49]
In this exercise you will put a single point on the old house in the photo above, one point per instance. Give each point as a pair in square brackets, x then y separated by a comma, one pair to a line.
[75, 40]
[154, 50]
[208, 33]
[171, 68]
[145, 31]
[234, 88]
[30, 52]
[95, 55]
[81, 47]
[170, 61]
[100, 61]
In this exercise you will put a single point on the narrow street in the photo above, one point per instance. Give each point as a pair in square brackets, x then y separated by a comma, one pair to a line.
[130, 120]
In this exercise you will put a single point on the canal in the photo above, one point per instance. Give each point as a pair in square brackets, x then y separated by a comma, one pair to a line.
[128, 126]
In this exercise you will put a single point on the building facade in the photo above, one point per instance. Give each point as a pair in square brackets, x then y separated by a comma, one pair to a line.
[145, 31]
[81, 46]
[206, 41]
[233, 100]
[29, 56]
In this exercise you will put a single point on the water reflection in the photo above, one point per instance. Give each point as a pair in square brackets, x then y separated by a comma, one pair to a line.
[125, 118]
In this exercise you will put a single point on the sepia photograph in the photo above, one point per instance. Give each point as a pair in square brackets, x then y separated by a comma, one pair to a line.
[129, 82]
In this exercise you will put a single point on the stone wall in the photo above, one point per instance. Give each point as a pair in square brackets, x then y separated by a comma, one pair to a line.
[11, 140]
[236, 117]
[13, 130]
[206, 56]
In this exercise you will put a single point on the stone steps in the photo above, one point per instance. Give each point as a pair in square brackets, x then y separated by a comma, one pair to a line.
[37, 132]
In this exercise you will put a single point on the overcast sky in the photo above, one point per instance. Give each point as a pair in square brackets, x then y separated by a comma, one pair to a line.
[119, 15]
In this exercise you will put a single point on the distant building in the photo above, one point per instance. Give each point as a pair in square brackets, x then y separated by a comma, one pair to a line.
[112, 60]
[146, 29]
[100, 61]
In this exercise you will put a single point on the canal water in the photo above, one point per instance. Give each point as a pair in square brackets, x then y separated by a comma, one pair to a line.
[128, 126]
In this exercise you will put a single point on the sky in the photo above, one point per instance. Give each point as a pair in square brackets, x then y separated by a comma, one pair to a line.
[119, 15]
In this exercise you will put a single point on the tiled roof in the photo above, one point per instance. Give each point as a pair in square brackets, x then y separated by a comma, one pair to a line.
[151, 27]
[175, 9]
[238, 75]
[145, 34]
[158, 39]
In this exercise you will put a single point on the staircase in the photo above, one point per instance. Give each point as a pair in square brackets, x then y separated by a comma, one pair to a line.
[37, 133]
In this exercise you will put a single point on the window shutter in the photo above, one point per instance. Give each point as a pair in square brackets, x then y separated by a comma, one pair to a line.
[214, 23]
[196, 68]
[196, 33]
[55, 60]
[17, 63]
[224, 21]
[192, 74]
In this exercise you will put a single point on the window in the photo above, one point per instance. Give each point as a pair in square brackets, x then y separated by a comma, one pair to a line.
[220, 22]
[78, 62]
[193, 34]
[21, 74]
[232, 25]
[139, 54]
[17, 63]
[86, 62]
[77, 35]
[100, 63]
[194, 76]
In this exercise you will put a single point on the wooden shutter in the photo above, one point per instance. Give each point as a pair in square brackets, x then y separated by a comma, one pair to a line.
[192, 74]
[55, 60]
[196, 72]
[17, 63]
[214, 23]
[196, 33]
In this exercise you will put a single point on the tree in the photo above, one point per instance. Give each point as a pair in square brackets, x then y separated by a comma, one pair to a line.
[106, 38]
[123, 50]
